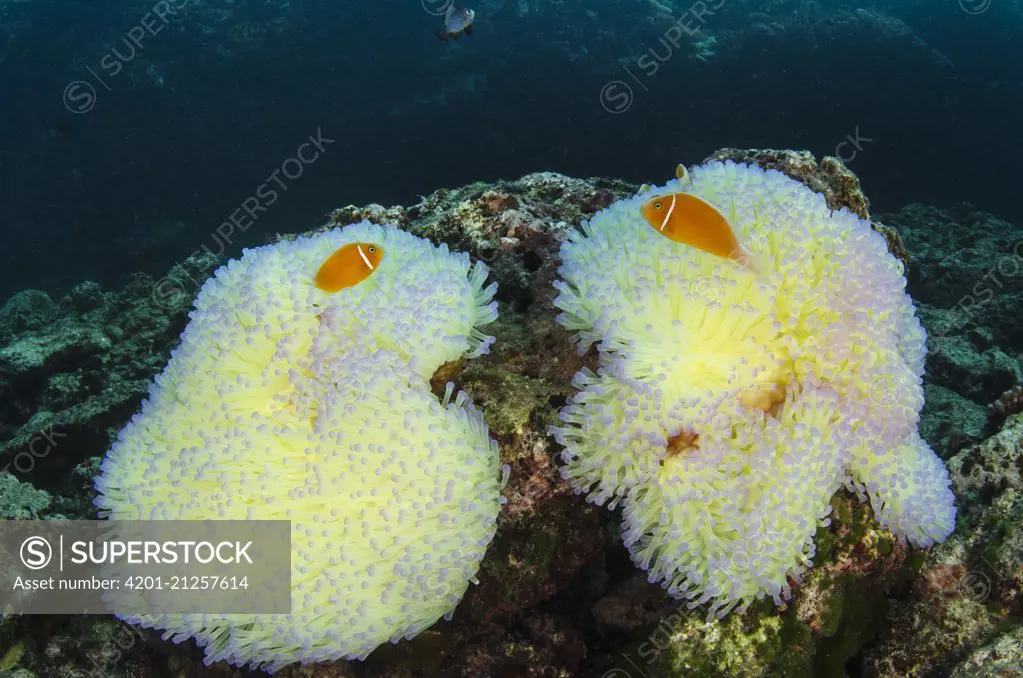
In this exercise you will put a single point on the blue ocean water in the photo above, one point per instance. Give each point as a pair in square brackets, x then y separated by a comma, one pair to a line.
[128, 126]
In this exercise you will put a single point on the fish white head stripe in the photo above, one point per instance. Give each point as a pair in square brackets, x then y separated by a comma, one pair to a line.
[670, 210]
[364, 257]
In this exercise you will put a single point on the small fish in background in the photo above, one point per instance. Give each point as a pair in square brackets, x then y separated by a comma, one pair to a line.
[456, 21]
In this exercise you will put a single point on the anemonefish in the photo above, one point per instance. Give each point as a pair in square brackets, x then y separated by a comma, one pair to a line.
[691, 220]
[349, 265]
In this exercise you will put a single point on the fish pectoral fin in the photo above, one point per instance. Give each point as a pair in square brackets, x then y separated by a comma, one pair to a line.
[468, 29]
[442, 35]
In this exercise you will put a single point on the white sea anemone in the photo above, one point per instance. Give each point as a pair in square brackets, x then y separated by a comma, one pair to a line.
[733, 400]
[285, 402]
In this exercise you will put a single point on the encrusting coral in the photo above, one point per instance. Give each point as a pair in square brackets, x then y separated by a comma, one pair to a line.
[733, 401]
[288, 402]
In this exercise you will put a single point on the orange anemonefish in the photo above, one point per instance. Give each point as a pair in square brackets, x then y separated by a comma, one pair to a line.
[691, 220]
[348, 265]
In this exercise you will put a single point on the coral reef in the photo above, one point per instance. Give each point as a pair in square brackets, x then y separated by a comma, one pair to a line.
[1003, 657]
[21, 501]
[1009, 403]
[558, 594]
[965, 277]
[970, 589]
[71, 373]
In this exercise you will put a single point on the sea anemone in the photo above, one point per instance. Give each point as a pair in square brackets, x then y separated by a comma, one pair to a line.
[288, 402]
[733, 400]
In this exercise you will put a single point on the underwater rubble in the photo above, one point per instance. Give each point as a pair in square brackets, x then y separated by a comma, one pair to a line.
[558, 595]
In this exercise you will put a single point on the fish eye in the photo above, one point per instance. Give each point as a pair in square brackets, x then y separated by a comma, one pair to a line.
[372, 250]
[657, 205]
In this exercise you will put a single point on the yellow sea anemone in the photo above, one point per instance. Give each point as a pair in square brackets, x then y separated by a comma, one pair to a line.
[303, 394]
[736, 395]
